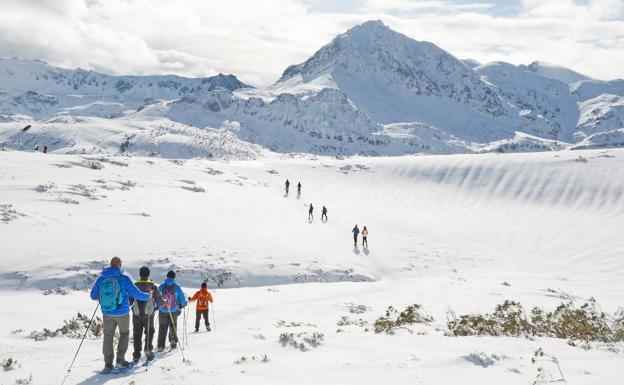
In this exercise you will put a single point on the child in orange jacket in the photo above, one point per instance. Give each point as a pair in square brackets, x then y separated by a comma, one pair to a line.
[202, 297]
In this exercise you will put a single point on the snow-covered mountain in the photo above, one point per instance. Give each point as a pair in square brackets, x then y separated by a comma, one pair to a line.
[39, 90]
[370, 91]
[554, 71]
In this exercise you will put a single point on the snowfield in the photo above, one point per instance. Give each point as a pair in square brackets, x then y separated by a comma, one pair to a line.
[455, 233]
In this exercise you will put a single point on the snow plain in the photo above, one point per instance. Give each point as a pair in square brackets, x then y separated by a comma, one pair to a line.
[445, 232]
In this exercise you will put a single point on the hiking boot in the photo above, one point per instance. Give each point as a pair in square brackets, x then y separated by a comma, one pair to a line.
[173, 346]
[161, 349]
[208, 328]
[135, 360]
[123, 364]
[107, 369]
[196, 330]
[149, 356]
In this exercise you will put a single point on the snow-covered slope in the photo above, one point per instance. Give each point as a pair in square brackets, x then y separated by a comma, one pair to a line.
[589, 89]
[547, 106]
[601, 114]
[457, 233]
[553, 71]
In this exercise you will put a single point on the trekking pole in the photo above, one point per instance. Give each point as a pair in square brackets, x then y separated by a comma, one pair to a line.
[147, 337]
[184, 317]
[81, 341]
[214, 320]
[175, 331]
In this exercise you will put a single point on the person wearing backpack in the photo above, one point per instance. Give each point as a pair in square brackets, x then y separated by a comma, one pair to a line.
[143, 316]
[112, 289]
[365, 237]
[175, 300]
[202, 297]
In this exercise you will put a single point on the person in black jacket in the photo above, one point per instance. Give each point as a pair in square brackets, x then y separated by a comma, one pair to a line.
[143, 316]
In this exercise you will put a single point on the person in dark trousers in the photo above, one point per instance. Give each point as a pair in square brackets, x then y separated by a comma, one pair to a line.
[203, 297]
[112, 289]
[143, 316]
[45, 148]
[287, 184]
[324, 213]
[365, 237]
[37, 147]
[175, 300]
[311, 212]
[355, 232]
[298, 190]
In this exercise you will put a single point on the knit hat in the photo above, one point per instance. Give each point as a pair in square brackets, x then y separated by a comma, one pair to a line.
[171, 274]
[204, 285]
[144, 272]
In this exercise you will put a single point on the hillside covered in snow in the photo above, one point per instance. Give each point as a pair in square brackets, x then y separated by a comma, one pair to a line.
[370, 91]
[295, 300]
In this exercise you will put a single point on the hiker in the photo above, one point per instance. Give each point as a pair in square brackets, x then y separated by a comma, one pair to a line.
[175, 300]
[324, 214]
[202, 296]
[365, 237]
[311, 212]
[112, 289]
[37, 147]
[355, 232]
[143, 316]
[45, 148]
[287, 184]
[298, 190]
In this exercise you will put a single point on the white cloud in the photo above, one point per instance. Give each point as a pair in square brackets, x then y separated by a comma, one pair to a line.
[258, 40]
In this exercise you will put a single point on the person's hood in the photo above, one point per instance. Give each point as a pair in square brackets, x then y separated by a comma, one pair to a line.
[112, 271]
[169, 282]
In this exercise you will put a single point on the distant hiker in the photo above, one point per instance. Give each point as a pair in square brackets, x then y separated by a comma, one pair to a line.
[287, 184]
[175, 300]
[355, 232]
[311, 212]
[324, 213]
[202, 296]
[365, 236]
[45, 148]
[298, 190]
[143, 316]
[112, 289]
[37, 147]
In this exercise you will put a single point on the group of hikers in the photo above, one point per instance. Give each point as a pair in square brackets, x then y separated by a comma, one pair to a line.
[310, 207]
[356, 230]
[118, 295]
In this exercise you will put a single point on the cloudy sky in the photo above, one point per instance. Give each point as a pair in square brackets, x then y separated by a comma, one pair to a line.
[258, 39]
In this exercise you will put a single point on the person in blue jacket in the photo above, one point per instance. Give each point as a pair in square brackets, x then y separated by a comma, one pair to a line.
[112, 289]
[175, 301]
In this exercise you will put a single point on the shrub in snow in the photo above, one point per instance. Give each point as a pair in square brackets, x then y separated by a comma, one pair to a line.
[92, 164]
[9, 363]
[264, 359]
[544, 375]
[8, 213]
[73, 328]
[585, 323]
[302, 341]
[393, 319]
[45, 187]
[346, 321]
[481, 359]
[24, 381]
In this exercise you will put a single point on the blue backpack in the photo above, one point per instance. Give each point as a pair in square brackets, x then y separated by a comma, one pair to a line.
[110, 294]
